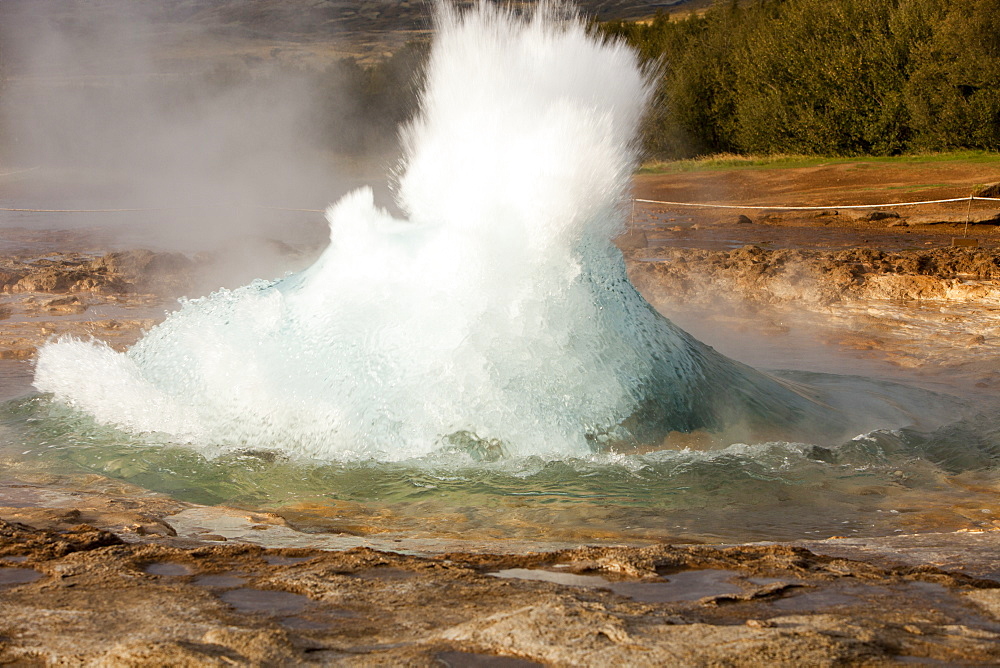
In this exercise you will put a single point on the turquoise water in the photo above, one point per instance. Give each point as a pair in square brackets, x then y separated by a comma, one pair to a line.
[877, 483]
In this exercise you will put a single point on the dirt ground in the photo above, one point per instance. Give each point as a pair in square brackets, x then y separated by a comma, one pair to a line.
[117, 576]
[833, 185]
[838, 183]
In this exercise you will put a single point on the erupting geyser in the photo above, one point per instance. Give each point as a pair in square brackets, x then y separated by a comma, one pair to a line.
[496, 314]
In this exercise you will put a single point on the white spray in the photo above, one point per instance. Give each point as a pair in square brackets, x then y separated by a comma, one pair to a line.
[498, 312]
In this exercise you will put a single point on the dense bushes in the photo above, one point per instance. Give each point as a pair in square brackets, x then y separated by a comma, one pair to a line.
[835, 77]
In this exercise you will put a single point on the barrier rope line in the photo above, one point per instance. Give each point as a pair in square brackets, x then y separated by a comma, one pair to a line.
[168, 208]
[285, 208]
[890, 205]
[18, 171]
[634, 200]
[93, 210]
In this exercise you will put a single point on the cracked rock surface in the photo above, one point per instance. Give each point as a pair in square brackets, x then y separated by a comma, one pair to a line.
[83, 596]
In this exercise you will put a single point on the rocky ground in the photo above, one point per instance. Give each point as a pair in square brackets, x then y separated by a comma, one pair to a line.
[116, 296]
[926, 309]
[79, 595]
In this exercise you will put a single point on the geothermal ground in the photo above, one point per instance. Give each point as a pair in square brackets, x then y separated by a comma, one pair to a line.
[97, 571]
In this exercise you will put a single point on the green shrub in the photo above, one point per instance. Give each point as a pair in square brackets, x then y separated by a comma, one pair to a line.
[831, 77]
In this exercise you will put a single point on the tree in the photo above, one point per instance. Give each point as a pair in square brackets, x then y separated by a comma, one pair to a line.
[953, 93]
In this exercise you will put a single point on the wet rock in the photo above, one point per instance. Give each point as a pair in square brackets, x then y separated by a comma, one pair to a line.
[759, 623]
[167, 274]
[876, 216]
[175, 603]
[268, 646]
[65, 305]
[471, 659]
[167, 653]
[903, 287]
[991, 190]
[753, 274]
[9, 352]
[143, 271]
[987, 599]
[48, 280]
[9, 279]
[52, 544]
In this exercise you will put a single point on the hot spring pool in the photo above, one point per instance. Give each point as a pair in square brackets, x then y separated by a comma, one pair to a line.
[482, 368]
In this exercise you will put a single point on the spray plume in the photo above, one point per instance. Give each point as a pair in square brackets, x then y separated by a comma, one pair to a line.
[497, 313]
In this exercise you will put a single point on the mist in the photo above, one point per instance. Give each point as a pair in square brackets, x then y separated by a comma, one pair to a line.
[116, 104]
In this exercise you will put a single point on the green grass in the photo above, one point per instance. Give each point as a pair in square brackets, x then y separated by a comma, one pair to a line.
[916, 187]
[729, 161]
[919, 186]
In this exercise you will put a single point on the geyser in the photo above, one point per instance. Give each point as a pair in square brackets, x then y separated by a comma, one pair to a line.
[496, 316]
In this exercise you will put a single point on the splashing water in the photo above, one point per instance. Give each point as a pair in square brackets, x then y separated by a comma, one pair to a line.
[497, 316]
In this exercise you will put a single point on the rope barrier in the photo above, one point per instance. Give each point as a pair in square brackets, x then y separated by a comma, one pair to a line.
[284, 208]
[18, 171]
[92, 210]
[635, 199]
[168, 208]
[819, 208]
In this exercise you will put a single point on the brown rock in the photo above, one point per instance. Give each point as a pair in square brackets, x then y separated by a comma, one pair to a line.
[47, 280]
[9, 279]
[875, 216]
[143, 271]
[991, 190]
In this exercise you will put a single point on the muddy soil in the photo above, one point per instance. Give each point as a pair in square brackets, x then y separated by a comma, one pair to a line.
[834, 184]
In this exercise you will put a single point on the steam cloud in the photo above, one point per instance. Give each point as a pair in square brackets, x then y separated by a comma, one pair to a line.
[123, 104]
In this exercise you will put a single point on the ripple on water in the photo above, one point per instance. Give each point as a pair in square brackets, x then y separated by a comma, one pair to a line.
[282, 560]
[682, 586]
[18, 576]
[167, 568]
[569, 579]
[829, 598]
[269, 601]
